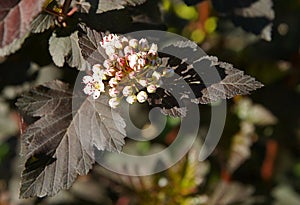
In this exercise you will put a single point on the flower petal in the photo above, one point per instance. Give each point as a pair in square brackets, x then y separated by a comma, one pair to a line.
[87, 79]
[96, 94]
[88, 89]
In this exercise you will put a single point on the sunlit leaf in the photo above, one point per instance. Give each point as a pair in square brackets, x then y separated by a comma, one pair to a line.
[42, 22]
[104, 6]
[66, 49]
[59, 48]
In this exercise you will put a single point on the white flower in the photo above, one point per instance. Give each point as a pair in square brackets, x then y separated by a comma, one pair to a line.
[87, 79]
[94, 86]
[96, 94]
[151, 88]
[127, 90]
[131, 99]
[143, 44]
[114, 102]
[142, 96]
[89, 89]
[109, 40]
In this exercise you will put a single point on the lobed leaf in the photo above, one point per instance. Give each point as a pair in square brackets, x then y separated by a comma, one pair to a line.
[59, 48]
[198, 80]
[89, 43]
[61, 144]
[66, 49]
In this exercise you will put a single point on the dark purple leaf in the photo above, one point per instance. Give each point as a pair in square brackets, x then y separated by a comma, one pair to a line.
[15, 19]
[60, 145]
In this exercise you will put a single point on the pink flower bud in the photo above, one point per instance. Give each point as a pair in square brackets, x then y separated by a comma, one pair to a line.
[113, 82]
[113, 92]
[119, 75]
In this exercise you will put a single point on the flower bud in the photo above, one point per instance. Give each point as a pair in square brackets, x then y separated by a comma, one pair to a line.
[143, 82]
[128, 50]
[142, 96]
[119, 75]
[133, 43]
[109, 50]
[114, 102]
[143, 44]
[133, 60]
[107, 64]
[131, 99]
[118, 44]
[113, 82]
[113, 92]
[141, 62]
[124, 40]
[153, 50]
[127, 90]
[151, 88]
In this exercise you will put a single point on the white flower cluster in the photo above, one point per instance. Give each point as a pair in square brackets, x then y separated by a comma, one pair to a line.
[130, 65]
